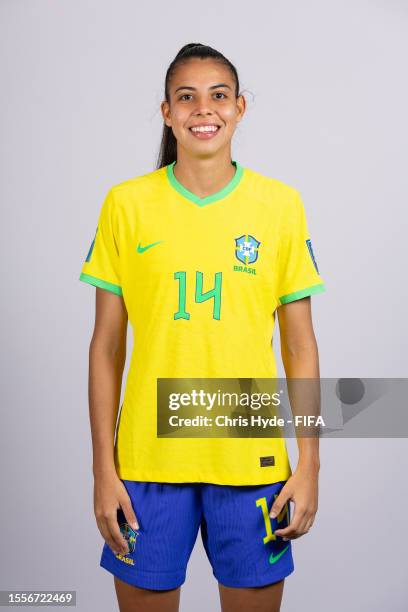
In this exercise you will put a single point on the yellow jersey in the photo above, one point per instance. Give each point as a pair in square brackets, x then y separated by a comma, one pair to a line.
[201, 279]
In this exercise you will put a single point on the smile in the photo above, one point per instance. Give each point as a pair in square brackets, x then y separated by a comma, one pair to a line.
[204, 131]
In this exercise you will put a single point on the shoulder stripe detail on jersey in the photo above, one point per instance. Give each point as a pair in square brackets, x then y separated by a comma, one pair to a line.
[98, 282]
[297, 295]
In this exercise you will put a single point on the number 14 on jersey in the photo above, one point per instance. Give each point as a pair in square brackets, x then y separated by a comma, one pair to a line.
[214, 294]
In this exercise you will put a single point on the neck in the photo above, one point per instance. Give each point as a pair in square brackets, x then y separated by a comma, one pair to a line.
[203, 177]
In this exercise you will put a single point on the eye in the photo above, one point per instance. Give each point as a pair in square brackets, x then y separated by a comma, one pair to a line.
[218, 93]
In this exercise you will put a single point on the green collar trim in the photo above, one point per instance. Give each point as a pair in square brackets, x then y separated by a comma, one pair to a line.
[208, 199]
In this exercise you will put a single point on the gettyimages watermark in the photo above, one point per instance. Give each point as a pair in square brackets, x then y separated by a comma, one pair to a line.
[282, 407]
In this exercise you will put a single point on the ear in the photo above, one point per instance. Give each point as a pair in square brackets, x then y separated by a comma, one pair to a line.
[241, 105]
[165, 110]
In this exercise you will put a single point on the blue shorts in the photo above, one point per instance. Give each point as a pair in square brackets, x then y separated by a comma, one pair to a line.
[236, 530]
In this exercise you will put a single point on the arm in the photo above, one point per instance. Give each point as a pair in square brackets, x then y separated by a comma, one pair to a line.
[107, 356]
[300, 359]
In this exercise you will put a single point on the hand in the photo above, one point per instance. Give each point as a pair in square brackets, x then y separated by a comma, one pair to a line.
[302, 489]
[110, 494]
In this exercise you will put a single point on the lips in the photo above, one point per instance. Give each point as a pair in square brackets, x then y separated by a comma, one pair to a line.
[204, 125]
[206, 134]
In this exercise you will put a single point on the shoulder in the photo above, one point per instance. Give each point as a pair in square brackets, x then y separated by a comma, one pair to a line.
[271, 188]
[138, 186]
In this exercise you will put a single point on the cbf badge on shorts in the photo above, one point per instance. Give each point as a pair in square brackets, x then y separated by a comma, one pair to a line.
[246, 248]
[130, 536]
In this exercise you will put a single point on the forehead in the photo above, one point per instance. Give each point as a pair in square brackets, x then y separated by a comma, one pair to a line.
[200, 74]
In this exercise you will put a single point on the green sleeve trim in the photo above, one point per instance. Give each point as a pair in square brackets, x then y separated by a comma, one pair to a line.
[297, 295]
[97, 282]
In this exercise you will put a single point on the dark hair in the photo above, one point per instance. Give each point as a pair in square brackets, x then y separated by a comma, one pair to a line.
[168, 146]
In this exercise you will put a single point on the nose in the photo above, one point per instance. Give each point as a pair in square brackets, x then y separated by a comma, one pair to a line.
[203, 107]
[203, 110]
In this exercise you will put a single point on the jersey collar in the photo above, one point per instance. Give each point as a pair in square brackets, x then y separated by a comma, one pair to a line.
[239, 170]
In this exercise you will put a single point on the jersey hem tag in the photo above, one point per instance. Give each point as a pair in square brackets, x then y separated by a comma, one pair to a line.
[265, 461]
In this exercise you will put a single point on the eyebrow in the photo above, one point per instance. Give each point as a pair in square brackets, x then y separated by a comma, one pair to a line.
[195, 89]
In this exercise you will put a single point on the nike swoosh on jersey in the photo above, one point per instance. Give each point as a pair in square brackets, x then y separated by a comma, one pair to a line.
[142, 249]
[274, 559]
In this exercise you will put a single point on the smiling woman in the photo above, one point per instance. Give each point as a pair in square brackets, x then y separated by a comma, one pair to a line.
[201, 110]
[165, 257]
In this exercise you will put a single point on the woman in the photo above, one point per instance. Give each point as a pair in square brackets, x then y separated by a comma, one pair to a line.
[198, 255]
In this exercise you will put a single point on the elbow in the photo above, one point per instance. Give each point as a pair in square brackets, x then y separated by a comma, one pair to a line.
[112, 348]
[299, 349]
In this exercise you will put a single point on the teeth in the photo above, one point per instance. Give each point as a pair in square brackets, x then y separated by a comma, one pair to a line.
[205, 128]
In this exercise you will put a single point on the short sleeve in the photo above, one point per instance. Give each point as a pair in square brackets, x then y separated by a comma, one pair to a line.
[298, 274]
[101, 267]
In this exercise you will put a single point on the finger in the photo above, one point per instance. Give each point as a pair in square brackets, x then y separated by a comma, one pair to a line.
[119, 541]
[105, 532]
[295, 519]
[309, 523]
[286, 534]
[292, 530]
[129, 513]
[302, 528]
[279, 503]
